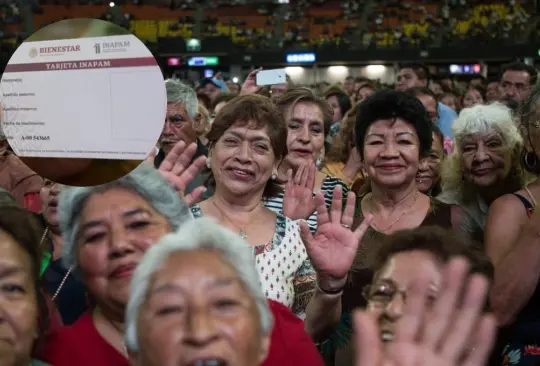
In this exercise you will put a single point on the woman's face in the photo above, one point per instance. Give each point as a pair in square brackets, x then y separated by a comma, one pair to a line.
[48, 195]
[450, 102]
[391, 153]
[387, 294]
[429, 170]
[484, 159]
[334, 103]
[305, 137]
[472, 98]
[364, 93]
[116, 228]
[18, 303]
[436, 88]
[197, 309]
[243, 160]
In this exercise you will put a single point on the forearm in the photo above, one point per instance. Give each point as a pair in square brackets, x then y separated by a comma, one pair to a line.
[323, 313]
[516, 277]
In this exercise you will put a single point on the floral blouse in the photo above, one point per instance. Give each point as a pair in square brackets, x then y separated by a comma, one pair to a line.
[286, 273]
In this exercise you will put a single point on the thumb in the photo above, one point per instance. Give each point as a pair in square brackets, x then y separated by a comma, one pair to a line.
[305, 235]
[152, 156]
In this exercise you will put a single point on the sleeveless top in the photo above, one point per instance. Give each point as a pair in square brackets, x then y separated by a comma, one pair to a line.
[531, 311]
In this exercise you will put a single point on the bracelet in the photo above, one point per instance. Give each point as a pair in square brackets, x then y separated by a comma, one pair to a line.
[330, 292]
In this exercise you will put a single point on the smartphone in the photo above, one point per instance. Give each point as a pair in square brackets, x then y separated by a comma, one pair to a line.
[271, 77]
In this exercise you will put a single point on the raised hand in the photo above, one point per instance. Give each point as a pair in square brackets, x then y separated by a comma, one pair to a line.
[179, 169]
[298, 201]
[453, 332]
[250, 84]
[332, 249]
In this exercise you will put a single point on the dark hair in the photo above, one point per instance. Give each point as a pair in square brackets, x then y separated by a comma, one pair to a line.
[220, 98]
[442, 243]
[420, 70]
[256, 112]
[24, 227]
[204, 99]
[391, 104]
[520, 66]
[343, 99]
[361, 79]
[297, 95]
[344, 141]
[417, 91]
[437, 188]
[479, 89]
[349, 78]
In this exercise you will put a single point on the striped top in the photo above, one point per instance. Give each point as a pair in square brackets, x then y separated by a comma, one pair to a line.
[328, 185]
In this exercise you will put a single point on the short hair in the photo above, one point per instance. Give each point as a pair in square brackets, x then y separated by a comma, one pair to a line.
[417, 91]
[529, 117]
[25, 229]
[361, 79]
[521, 66]
[420, 70]
[293, 96]
[197, 234]
[481, 90]
[391, 104]
[222, 98]
[343, 98]
[257, 112]
[441, 243]
[144, 181]
[180, 93]
[349, 78]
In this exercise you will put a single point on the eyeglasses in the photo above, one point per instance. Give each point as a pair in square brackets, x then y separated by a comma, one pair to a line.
[384, 292]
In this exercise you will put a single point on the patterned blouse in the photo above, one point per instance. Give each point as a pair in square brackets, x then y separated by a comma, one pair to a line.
[286, 273]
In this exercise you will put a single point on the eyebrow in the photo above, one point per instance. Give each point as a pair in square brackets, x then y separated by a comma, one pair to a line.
[239, 135]
[9, 270]
[300, 120]
[130, 213]
[381, 135]
[171, 287]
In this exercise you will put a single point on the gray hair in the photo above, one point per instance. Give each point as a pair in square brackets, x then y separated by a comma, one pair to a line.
[205, 234]
[180, 93]
[145, 181]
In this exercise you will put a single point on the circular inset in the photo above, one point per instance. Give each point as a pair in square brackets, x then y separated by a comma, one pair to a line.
[83, 102]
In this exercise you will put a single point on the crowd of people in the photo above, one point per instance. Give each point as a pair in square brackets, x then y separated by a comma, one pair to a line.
[356, 225]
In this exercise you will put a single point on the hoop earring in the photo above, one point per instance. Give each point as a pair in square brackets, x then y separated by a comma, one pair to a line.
[530, 162]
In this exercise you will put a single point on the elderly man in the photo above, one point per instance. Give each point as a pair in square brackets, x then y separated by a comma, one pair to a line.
[182, 110]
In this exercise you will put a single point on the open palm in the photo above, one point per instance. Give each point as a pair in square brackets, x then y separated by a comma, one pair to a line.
[454, 332]
[333, 247]
[298, 201]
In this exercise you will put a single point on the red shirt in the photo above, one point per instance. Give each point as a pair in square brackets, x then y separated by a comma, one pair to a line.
[291, 345]
[80, 344]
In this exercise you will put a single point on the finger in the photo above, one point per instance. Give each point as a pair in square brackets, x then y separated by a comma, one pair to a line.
[362, 228]
[305, 235]
[483, 342]
[312, 173]
[409, 327]
[195, 196]
[298, 174]
[467, 316]
[183, 160]
[323, 216]
[152, 156]
[305, 175]
[337, 204]
[253, 74]
[177, 150]
[347, 218]
[443, 309]
[180, 182]
[368, 346]
[289, 183]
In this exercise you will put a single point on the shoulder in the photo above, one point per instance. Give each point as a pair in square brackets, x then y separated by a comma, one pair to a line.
[509, 205]
[329, 183]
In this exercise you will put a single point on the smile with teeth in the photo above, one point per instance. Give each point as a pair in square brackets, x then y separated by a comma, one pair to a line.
[208, 362]
[387, 336]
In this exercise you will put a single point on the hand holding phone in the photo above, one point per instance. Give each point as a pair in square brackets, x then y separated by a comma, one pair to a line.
[271, 77]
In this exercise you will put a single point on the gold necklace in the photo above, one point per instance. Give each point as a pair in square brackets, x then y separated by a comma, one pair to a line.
[243, 234]
[370, 203]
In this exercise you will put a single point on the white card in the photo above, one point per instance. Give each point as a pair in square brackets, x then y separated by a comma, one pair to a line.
[98, 98]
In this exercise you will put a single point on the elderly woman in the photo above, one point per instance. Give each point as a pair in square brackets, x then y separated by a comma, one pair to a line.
[484, 165]
[512, 241]
[308, 120]
[205, 274]
[416, 290]
[23, 308]
[428, 178]
[106, 231]
[247, 143]
[343, 160]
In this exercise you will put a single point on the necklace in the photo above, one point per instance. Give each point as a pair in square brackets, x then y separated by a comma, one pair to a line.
[370, 203]
[63, 282]
[243, 234]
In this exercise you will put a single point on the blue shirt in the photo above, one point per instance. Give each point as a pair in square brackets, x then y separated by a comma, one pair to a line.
[446, 118]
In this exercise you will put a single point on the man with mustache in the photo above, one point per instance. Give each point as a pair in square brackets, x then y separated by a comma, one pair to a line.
[182, 110]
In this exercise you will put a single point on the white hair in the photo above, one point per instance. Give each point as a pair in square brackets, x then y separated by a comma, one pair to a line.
[202, 233]
[484, 119]
[180, 93]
